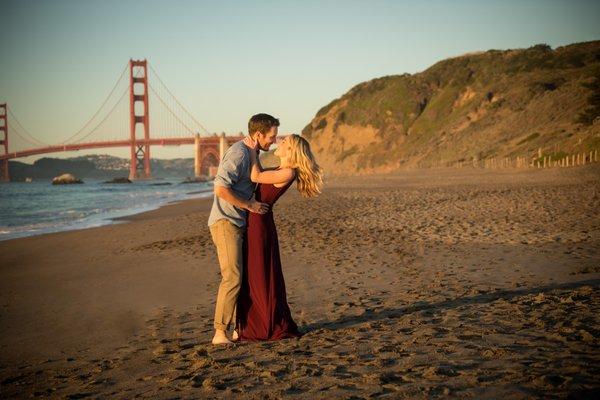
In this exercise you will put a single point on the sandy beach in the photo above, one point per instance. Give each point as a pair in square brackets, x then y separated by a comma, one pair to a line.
[418, 284]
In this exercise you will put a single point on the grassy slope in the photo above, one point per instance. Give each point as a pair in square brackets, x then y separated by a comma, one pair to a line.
[494, 103]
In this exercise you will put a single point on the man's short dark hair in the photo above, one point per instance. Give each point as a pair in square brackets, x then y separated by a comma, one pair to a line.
[262, 123]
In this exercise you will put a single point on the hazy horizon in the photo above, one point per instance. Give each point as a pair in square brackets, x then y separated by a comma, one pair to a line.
[228, 61]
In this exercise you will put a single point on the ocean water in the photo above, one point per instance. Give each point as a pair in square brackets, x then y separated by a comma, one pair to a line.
[28, 209]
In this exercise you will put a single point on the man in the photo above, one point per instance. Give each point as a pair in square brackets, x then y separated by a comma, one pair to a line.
[227, 221]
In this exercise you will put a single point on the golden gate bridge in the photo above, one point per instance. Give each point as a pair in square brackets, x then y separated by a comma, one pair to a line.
[123, 120]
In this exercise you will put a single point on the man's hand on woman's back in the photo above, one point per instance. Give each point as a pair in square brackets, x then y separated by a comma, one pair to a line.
[257, 207]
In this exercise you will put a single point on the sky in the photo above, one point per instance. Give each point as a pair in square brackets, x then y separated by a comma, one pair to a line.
[228, 60]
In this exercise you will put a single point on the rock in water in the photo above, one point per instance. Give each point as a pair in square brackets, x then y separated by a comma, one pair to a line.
[65, 179]
[118, 180]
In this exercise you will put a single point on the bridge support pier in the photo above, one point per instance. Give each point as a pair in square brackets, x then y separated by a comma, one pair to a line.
[223, 146]
[197, 156]
[4, 141]
[5, 174]
[206, 156]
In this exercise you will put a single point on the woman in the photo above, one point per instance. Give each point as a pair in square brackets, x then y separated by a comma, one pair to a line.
[262, 310]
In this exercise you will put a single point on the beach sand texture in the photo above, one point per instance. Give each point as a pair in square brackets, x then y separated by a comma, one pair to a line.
[419, 284]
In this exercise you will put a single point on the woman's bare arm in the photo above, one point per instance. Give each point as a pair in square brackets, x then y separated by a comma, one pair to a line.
[260, 175]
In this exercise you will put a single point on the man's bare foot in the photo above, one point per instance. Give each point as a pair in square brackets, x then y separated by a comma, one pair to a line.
[235, 337]
[220, 338]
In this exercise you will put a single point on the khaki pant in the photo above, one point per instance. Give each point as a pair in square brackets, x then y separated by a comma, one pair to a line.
[228, 239]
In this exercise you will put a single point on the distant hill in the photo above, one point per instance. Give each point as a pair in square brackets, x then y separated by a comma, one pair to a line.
[96, 166]
[493, 103]
[103, 166]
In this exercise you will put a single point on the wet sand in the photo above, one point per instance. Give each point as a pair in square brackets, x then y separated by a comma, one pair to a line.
[420, 284]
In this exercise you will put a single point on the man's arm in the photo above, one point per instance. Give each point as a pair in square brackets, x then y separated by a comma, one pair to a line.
[228, 174]
[251, 205]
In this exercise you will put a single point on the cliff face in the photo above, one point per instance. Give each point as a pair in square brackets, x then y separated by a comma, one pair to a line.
[493, 103]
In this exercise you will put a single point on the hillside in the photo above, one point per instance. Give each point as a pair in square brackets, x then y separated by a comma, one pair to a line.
[494, 103]
[97, 166]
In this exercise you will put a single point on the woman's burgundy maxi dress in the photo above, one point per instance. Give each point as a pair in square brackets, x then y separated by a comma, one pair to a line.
[262, 311]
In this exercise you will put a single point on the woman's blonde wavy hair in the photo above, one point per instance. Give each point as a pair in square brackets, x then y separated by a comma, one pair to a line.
[309, 176]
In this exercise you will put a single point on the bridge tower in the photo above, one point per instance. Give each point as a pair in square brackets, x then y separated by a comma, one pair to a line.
[4, 141]
[139, 167]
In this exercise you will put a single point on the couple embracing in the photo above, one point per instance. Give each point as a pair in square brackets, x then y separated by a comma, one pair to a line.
[252, 297]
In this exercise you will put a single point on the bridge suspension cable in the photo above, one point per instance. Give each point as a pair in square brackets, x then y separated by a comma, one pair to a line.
[190, 130]
[108, 114]
[177, 101]
[111, 121]
[98, 110]
[24, 132]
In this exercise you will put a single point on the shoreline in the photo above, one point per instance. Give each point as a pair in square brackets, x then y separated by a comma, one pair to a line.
[171, 208]
[97, 221]
[336, 179]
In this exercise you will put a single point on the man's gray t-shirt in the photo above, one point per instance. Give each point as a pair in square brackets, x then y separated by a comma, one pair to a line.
[233, 173]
